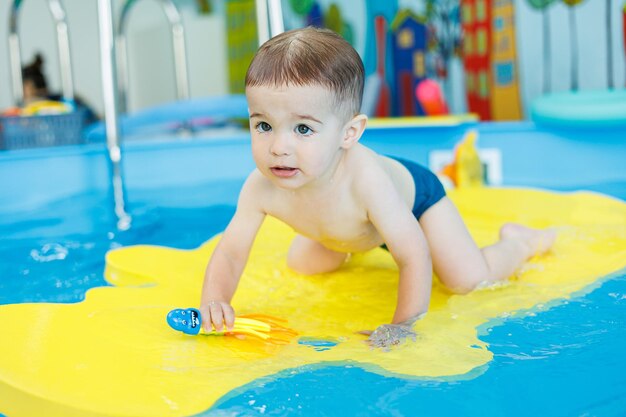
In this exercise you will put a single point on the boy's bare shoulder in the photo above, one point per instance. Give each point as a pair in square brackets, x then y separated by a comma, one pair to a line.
[376, 176]
[256, 180]
[370, 168]
[364, 161]
[255, 189]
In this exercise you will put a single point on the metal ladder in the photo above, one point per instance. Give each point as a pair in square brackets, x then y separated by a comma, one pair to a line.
[109, 82]
[15, 57]
[269, 19]
[178, 44]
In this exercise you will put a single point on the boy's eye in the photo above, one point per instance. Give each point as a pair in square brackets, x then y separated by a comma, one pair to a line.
[263, 127]
[303, 130]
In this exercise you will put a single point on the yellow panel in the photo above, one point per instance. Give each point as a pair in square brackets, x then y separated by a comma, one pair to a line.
[466, 13]
[481, 11]
[481, 42]
[114, 355]
[405, 39]
[468, 43]
[505, 96]
[419, 64]
[470, 82]
[483, 84]
[241, 39]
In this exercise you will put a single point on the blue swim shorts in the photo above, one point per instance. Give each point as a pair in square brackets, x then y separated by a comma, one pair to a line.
[428, 188]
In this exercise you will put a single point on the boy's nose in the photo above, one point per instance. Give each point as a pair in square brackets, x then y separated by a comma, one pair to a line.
[280, 146]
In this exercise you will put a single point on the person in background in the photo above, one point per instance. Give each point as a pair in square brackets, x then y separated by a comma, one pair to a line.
[35, 87]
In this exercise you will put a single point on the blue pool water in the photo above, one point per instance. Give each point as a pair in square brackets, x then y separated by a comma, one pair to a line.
[57, 253]
[566, 360]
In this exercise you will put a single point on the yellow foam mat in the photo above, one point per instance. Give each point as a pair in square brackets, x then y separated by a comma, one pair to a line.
[114, 355]
[421, 121]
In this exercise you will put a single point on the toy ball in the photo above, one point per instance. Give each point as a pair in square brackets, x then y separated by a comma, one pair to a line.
[431, 99]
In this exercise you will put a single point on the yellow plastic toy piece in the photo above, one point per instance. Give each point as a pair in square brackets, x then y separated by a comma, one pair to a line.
[113, 355]
[248, 327]
[44, 107]
[271, 329]
[466, 170]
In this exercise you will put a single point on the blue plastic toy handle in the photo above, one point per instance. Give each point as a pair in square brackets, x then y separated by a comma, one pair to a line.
[186, 320]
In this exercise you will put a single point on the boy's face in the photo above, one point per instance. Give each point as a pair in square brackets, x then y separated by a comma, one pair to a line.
[297, 133]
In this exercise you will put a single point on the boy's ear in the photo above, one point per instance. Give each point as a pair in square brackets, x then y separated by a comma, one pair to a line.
[353, 130]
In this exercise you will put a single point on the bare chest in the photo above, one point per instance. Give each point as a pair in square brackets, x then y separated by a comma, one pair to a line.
[336, 222]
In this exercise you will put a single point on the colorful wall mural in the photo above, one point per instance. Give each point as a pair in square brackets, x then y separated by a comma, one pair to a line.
[406, 42]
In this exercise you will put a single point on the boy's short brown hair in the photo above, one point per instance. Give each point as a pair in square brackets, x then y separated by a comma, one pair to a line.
[311, 56]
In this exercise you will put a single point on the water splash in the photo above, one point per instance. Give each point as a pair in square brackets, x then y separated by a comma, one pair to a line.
[318, 345]
[50, 252]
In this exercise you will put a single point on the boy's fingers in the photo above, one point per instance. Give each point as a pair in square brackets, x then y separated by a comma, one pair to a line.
[229, 316]
[217, 317]
[206, 319]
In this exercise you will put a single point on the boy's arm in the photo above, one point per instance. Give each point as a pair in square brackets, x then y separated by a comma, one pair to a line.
[230, 256]
[406, 242]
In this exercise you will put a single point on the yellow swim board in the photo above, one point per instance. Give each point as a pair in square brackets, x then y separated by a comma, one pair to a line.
[114, 355]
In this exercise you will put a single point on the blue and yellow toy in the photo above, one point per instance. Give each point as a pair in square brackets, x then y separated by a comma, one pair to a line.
[189, 321]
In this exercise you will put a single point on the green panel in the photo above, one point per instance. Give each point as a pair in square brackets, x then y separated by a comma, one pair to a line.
[242, 41]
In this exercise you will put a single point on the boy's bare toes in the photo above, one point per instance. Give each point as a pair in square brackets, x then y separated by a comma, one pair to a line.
[538, 241]
[514, 230]
[545, 240]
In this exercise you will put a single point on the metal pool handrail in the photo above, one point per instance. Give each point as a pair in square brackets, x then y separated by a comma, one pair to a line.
[107, 62]
[269, 18]
[178, 44]
[58, 14]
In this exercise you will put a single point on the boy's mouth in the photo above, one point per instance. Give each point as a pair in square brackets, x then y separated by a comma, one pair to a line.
[283, 172]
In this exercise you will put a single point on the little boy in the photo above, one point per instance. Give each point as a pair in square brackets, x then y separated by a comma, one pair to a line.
[304, 91]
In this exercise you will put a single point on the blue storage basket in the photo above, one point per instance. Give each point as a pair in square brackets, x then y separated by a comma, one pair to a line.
[42, 130]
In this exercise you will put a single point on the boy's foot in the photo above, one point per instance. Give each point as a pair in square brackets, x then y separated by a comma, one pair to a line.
[539, 241]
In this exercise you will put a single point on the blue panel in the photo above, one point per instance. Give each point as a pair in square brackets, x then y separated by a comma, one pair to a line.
[596, 111]
[171, 117]
[504, 73]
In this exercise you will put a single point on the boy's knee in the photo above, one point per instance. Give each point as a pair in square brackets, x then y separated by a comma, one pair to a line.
[301, 264]
[465, 280]
[460, 290]
[312, 267]
[294, 261]
[309, 258]
[465, 285]
[296, 265]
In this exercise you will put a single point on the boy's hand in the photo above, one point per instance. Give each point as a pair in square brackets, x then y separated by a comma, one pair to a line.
[217, 314]
[388, 335]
